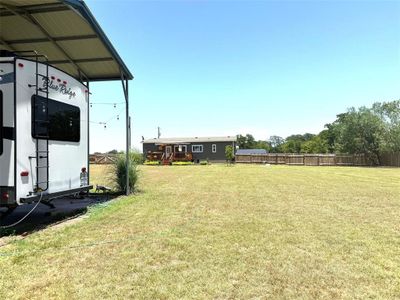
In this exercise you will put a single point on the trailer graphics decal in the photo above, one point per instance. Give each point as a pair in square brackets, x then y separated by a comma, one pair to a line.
[60, 87]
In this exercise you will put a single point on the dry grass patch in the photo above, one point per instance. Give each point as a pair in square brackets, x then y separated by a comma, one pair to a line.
[223, 232]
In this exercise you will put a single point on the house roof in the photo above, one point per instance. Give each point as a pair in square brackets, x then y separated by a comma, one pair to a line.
[190, 140]
[66, 32]
[250, 151]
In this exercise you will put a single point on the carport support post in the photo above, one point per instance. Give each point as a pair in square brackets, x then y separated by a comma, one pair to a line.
[125, 85]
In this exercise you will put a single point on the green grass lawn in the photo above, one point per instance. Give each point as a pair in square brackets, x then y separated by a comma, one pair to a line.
[201, 232]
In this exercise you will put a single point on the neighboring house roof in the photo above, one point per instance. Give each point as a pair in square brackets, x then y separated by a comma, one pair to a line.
[250, 151]
[190, 140]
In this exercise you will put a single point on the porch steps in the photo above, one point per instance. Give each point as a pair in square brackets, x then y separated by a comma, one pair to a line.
[165, 162]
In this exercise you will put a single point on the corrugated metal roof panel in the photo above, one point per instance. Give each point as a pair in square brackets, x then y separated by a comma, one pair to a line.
[42, 47]
[98, 71]
[66, 32]
[250, 151]
[68, 68]
[82, 49]
[28, 2]
[63, 23]
[16, 28]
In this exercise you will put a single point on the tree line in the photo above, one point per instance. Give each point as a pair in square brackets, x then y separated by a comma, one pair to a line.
[367, 130]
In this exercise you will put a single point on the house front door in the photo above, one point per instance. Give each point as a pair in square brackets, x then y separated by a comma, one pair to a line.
[168, 150]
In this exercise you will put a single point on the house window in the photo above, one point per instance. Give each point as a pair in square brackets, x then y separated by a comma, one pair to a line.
[180, 148]
[197, 148]
[214, 148]
[54, 120]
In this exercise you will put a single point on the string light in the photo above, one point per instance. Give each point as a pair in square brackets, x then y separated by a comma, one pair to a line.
[106, 103]
[104, 124]
[114, 104]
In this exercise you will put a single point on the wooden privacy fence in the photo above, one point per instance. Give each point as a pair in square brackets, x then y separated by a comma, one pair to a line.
[387, 159]
[390, 159]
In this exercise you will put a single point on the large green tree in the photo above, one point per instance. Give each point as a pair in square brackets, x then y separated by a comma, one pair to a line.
[246, 141]
[389, 112]
[368, 131]
[276, 143]
[359, 132]
[262, 145]
[318, 144]
[294, 142]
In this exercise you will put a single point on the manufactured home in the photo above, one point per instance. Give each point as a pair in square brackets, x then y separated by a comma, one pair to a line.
[43, 132]
[193, 149]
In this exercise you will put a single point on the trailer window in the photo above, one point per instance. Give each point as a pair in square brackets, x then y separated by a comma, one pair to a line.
[55, 120]
[1, 123]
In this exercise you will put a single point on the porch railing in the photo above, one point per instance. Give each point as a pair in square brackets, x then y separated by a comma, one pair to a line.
[177, 156]
[182, 156]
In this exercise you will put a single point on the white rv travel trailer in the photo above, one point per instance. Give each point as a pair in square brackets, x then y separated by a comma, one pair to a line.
[44, 140]
[44, 107]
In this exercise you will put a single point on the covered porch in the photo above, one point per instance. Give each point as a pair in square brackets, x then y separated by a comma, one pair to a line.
[170, 152]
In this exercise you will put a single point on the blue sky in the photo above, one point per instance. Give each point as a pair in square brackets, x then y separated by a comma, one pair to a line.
[261, 67]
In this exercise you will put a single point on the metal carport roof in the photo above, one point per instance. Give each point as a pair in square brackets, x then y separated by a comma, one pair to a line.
[66, 32]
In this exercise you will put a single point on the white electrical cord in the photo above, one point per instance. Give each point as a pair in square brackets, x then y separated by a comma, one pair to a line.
[24, 217]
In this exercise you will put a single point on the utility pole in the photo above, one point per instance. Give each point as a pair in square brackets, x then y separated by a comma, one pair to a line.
[158, 132]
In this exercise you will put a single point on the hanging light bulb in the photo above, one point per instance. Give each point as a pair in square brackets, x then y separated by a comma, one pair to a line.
[117, 117]
[115, 105]
[91, 104]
